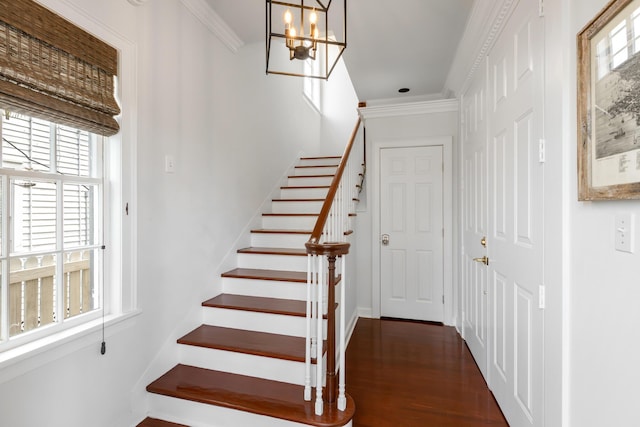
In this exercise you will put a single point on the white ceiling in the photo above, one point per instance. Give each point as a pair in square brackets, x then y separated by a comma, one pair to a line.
[391, 44]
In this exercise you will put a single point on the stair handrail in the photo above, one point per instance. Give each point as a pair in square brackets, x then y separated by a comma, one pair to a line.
[328, 241]
[333, 189]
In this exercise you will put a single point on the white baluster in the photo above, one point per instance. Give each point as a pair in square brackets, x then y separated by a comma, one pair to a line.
[319, 335]
[314, 308]
[341, 205]
[307, 345]
[342, 398]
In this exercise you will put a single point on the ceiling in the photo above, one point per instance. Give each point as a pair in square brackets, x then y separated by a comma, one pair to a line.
[391, 44]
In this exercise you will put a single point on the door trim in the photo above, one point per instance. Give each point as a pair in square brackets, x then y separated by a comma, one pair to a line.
[447, 215]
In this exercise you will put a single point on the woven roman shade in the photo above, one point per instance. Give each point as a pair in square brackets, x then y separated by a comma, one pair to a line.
[51, 69]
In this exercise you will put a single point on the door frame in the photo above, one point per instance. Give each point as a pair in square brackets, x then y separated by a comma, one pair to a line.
[447, 215]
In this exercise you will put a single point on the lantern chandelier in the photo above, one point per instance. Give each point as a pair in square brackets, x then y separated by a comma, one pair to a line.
[299, 33]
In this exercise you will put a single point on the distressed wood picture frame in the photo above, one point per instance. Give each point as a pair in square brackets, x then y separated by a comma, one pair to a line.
[609, 103]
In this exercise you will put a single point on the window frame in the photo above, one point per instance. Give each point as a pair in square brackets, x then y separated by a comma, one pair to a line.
[312, 87]
[120, 192]
[11, 218]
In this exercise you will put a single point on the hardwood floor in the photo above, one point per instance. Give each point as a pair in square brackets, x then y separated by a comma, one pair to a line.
[413, 374]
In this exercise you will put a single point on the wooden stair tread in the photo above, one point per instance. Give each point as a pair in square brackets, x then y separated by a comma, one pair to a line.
[258, 304]
[255, 395]
[290, 214]
[310, 176]
[283, 347]
[304, 187]
[154, 422]
[273, 251]
[277, 231]
[279, 275]
[315, 166]
[320, 158]
[297, 200]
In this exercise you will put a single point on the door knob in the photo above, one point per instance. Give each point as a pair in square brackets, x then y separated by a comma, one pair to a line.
[483, 260]
[385, 239]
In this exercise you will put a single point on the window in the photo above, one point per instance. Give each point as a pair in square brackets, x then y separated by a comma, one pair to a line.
[312, 88]
[51, 216]
[84, 182]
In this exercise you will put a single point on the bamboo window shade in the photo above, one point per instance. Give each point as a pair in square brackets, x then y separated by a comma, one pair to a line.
[51, 69]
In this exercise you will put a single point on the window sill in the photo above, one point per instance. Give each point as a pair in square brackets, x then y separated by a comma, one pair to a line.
[19, 360]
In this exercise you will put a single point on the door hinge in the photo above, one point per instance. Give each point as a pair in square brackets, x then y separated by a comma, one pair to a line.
[541, 297]
[540, 8]
[443, 299]
[542, 155]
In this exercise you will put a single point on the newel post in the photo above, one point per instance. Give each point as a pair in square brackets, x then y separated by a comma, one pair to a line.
[332, 250]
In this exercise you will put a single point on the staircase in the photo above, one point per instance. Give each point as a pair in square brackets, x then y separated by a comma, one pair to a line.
[245, 366]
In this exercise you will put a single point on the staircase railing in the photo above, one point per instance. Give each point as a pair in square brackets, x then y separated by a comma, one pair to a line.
[326, 247]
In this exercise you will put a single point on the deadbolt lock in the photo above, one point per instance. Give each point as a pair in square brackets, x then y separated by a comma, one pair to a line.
[385, 239]
[483, 242]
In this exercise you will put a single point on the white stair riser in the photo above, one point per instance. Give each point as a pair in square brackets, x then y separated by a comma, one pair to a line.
[265, 288]
[272, 262]
[289, 222]
[303, 193]
[254, 321]
[197, 414]
[269, 368]
[278, 240]
[319, 170]
[313, 207]
[309, 181]
[319, 162]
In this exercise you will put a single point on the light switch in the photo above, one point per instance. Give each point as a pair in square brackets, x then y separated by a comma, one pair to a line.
[624, 232]
[169, 164]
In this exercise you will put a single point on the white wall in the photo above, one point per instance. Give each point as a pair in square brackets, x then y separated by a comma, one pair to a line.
[602, 308]
[339, 108]
[232, 131]
[394, 128]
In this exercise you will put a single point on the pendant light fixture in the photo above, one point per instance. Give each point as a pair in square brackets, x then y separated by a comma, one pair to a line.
[299, 31]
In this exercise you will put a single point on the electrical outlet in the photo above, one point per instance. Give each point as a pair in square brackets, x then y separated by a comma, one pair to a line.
[169, 164]
[624, 232]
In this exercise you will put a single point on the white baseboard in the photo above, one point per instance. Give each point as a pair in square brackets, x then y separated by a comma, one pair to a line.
[365, 312]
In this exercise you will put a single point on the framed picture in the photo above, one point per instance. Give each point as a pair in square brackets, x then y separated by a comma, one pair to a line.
[609, 104]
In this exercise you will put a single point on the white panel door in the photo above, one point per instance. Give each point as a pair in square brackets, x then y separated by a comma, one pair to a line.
[474, 218]
[515, 240]
[411, 257]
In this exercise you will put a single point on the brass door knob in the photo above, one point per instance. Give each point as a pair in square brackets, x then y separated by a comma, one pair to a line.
[484, 260]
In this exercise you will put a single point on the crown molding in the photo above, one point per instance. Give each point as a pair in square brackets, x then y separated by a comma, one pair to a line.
[409, 109]
[486, 21]
[205, 14]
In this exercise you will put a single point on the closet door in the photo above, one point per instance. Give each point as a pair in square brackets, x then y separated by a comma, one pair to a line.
[515, 216]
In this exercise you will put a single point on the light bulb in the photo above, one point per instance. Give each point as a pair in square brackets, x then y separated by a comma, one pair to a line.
[287, 17]
[313, 18]
[292, 32]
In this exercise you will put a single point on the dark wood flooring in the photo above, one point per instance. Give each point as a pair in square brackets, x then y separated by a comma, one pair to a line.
[414, 374]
